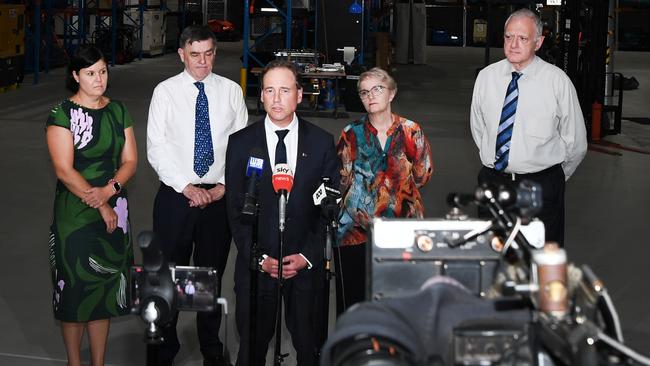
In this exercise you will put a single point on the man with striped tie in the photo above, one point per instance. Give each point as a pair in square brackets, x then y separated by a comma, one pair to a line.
[527, 122]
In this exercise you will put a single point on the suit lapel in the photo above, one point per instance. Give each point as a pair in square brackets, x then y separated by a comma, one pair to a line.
[260, 141]
[301, 154]
[301, 158]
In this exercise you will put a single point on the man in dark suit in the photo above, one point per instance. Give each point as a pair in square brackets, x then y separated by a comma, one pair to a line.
[309, 152]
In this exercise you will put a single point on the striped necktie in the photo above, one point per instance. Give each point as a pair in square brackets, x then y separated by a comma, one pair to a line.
[203, 150]
[506, 123]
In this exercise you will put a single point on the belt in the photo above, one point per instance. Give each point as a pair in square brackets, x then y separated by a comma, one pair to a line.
[205, 185]
[520, 176]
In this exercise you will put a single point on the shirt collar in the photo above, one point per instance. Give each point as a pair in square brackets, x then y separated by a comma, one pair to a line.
[189, 79]
[529, 70]
[272, 127]
[390, 130]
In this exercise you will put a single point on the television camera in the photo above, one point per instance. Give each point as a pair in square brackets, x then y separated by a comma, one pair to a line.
[160, 289]
[460, 291]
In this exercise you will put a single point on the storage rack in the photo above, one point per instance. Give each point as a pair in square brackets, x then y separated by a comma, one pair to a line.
[54, 28]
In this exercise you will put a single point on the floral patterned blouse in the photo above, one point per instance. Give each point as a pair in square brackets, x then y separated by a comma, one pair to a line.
[380, 182]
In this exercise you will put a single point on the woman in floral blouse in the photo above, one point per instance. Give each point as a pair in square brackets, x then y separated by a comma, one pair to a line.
[385, 160]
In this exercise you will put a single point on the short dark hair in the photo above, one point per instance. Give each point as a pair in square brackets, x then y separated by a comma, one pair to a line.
[281, 64]
[195, 33]
[86, 55]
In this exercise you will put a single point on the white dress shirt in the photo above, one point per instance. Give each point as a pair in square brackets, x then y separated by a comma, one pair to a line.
[170, 128]
[290, 141]
[549, 126]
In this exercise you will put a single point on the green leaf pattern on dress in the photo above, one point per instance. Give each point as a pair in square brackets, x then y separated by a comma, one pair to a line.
[90, 267]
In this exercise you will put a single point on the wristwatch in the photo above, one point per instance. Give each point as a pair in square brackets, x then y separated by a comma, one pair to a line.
[117, 187]
[261, 261]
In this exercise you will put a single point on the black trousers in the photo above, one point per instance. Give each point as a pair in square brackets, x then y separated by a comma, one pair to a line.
[202, 234]
[552, 182]
[299, 316]
[350, 265]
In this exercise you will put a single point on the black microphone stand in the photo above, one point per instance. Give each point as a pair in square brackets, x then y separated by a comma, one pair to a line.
[278, 356]
[254, 271]
[250, 213]
[330, 209]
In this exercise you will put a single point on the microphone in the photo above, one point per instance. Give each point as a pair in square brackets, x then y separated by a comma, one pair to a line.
[282, 179]
[328, 199]
[253, 172]
[325, 192]
[282, 184]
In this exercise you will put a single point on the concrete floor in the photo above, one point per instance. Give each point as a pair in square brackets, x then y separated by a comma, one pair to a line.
[608, 198]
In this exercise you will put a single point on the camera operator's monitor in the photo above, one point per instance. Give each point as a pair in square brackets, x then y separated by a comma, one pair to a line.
[404, 253]
[196, 287]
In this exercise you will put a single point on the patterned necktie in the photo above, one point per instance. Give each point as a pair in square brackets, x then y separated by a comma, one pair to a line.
[507, 121]
[281, 148]
[203, 152]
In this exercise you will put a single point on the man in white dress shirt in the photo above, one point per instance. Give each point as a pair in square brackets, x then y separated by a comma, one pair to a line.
[191, 116]
[526, 120]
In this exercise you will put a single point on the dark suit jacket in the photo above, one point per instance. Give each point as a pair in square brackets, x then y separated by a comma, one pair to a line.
[304, 230]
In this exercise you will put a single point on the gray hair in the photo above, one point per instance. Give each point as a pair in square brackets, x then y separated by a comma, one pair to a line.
[378, 73]
[526, 13]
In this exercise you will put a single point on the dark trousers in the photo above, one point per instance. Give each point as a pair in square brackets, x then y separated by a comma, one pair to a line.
[202, 234]
[552, 182]
[299, 316]
[350, 266]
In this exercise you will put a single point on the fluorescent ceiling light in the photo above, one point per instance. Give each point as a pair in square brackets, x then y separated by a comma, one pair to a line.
[269, 10]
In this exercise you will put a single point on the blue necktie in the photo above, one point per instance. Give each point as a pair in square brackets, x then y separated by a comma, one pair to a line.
[281, 148]
[506, 123]
[203, 152]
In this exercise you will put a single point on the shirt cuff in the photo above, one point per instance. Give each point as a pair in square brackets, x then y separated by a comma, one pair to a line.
[179, 185]
[309, 265]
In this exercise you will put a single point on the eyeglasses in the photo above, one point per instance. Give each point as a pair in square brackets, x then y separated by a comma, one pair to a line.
[375, 91]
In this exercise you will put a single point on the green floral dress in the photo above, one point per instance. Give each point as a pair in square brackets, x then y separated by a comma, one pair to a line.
[90, 267]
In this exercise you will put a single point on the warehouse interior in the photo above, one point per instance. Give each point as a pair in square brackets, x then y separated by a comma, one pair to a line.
[432, 48]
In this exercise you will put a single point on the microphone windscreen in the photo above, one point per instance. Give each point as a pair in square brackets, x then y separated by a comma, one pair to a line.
[282, 178]
[255, 162]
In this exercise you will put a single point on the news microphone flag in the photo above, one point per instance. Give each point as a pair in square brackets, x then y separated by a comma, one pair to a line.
[255, 166]
[282, 178]
[319, 195]
[253, 173]
[325, 191]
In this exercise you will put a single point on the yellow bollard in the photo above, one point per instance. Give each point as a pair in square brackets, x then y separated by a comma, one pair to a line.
[242, 80]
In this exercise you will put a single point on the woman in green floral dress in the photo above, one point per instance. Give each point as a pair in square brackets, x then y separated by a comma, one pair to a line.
[92, 147]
